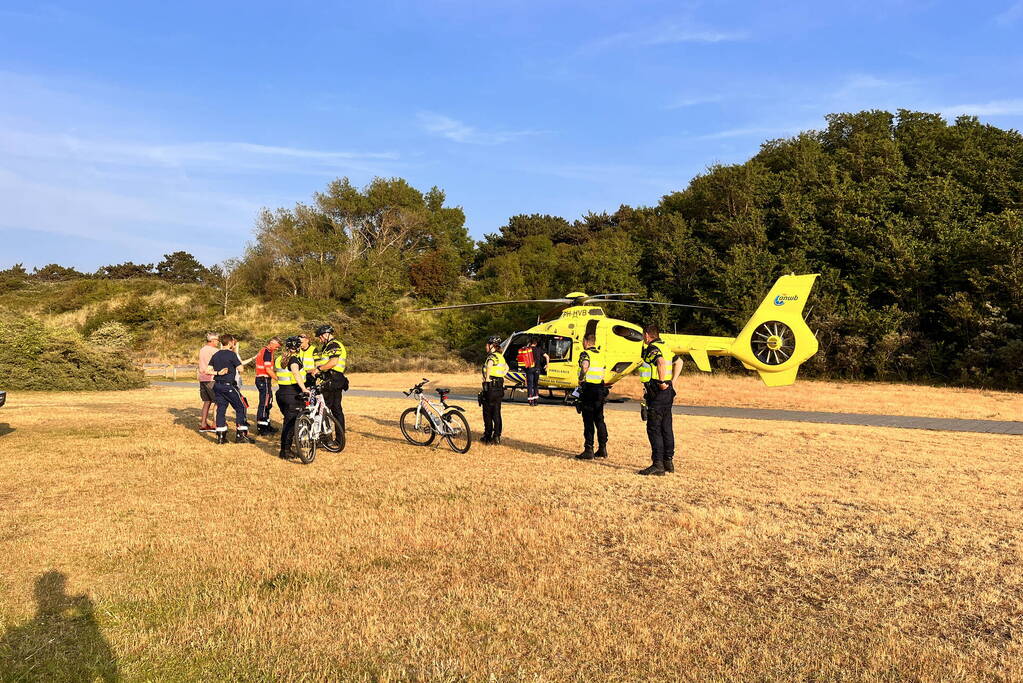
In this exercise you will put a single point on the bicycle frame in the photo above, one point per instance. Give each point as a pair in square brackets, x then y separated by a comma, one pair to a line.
[317, 409]
[430, 412]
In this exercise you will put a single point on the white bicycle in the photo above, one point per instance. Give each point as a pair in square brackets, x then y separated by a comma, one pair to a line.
[421, 425]
[317, 427]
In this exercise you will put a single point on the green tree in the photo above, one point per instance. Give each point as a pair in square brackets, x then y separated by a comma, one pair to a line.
[181, 267]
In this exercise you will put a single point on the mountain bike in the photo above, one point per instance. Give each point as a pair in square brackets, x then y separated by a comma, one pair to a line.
[317, 427]
[423, 423]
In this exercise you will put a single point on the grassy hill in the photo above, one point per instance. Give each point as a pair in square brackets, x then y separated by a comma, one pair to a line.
[165, 322]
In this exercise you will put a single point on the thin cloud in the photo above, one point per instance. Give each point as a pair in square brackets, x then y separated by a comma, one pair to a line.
[686, 102]
[1013, 107]
[755, 131]
[457, 131]
[664, 34]
[241, 156]
[1011, 16]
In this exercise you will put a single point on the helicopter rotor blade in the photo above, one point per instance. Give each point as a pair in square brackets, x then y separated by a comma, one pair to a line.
[605, 296]
[496, 303]
[663, 303]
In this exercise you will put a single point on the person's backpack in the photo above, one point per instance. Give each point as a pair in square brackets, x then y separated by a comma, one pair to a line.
[525, 357]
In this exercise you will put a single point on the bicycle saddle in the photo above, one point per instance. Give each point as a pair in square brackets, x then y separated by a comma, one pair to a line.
[443, 391]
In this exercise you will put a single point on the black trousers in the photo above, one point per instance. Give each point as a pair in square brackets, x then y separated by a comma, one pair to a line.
[332, 397]
[659, 429]
[265, 387]
[291, 408]
[226, 393]
[493, 395]
[591, 402]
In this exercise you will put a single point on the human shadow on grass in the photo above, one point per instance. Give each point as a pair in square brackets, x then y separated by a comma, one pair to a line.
[516, 444]
[62, 642]
[189, 419]
[6, 429]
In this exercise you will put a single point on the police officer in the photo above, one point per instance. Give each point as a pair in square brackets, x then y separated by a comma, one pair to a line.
[331, 362]
[592, 396]
[308, 355]
[659, 393]
[495, 367]
[291, 390]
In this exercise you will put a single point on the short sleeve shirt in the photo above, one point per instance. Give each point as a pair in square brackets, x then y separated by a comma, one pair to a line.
[205, 353]
[225, 358]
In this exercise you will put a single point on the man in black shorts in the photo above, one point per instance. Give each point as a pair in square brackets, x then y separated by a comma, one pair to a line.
[223, 366]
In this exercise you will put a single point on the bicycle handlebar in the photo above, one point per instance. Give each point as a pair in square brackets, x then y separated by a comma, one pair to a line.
[417, 389]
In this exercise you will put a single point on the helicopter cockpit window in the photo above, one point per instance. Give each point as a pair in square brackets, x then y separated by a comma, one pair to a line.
[628, 333]
[559, 348]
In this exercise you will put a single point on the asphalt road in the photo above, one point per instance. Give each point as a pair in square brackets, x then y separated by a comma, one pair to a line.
[859, 419]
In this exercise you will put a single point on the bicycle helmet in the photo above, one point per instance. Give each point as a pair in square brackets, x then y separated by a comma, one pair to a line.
[324, 329]
[494, 339]
[293, 344]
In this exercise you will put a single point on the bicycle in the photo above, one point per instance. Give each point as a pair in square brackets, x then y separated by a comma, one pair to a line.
[430, 421]
[317, 427]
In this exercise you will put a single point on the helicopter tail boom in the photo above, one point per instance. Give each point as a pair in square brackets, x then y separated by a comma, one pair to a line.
[774, 342]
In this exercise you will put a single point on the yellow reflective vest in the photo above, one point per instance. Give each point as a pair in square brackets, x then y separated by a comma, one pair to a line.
[653, 351]
[333, 349]
[595, 372]
[285, 377]
[498, 365]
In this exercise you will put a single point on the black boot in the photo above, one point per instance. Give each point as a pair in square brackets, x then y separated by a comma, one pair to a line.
[587, 454]
[263, 430]
[601, 451]
[486, 438]
[669, 465]
[221, 438]
[496, 440]
[284, 455]
[656, 469]
[242, 436]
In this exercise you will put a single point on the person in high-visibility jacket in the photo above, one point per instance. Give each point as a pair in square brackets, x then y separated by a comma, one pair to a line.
[495, 367]
[307, 354]
[592, 397]
[291, 390]
[331, 364]
[659, 394]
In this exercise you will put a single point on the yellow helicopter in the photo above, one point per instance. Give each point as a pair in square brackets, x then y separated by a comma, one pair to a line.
[774, 342]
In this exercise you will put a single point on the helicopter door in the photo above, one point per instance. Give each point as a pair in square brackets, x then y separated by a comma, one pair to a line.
[511, 350]
[560, 370]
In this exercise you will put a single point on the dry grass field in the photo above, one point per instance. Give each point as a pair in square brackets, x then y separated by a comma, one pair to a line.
[134, 547]
[746, 390]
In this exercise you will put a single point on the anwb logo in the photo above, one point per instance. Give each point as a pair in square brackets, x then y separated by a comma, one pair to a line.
[782, 298]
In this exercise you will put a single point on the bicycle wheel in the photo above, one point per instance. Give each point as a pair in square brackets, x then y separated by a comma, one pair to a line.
[334, 438]
[305, 444]
[460, 438]
[423, 435]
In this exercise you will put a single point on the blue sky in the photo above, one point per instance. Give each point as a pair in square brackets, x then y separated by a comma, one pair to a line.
[128, 130]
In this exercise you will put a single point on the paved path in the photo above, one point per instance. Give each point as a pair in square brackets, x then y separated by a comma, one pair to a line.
[943, 424]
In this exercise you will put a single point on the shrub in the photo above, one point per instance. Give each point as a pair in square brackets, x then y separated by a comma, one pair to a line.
[36, 356]
[111, 335]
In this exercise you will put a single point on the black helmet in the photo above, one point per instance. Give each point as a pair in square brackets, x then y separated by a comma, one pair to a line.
[494, 339]
[324, 329]
[293, 344]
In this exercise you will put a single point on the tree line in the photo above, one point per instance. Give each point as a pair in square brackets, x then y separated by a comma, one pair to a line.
[915, 224]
